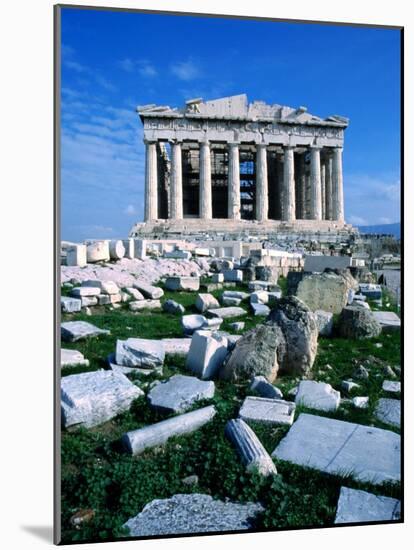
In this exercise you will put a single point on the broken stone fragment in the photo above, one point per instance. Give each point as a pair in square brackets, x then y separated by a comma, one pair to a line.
[317, 395]
[265, 389]
[173, 307]
[91, 398]
[97, 251]
[182, 283]
[205, 302]
[144, 304]
[72, 358]
[179, 393]
[252, 453]
[149, 291]
[267, 410]
[72, 331]
[207, 354]
[140, 352]
[355, 506]
[136, 294]
[192, 513]
[227, 312]
[70, 305]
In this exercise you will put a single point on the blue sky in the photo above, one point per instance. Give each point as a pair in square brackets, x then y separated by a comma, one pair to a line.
[114, 61]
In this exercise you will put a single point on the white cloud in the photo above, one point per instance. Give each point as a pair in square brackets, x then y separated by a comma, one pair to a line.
[127, 65]
[356, 220]
[130, 210]
[146, 69]
[370, 199]
[185, 70]
[142, 66]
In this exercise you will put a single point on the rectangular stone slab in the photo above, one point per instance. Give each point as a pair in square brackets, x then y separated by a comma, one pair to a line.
[337, 447]
[355, 506]
[387, 319]
[267, 410]
[227, 312]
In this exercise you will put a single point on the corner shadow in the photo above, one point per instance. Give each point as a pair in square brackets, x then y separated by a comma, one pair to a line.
[44, 533]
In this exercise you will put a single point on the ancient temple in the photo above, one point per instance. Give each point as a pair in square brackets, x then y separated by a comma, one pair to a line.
[231, 165]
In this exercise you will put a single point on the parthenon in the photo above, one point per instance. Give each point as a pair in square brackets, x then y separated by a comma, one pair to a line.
[227, 163]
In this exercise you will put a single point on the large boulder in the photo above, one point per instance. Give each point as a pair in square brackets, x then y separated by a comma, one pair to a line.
[256, 353]
[357, 322]
[287, 342]
[300, 329]
[327, 291]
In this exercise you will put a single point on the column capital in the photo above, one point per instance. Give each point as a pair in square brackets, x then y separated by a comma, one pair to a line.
[150, 141]
[289, 147]
[262, 145]
[315, 147]
[233, 143]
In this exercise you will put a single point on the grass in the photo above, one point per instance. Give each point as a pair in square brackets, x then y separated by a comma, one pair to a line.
[98, 475]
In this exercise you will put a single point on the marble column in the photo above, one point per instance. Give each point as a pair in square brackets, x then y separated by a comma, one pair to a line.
[288, 185]
[262, 198]
[151, 181]
[176, 182]
[328, 187]
[323, 188]
[301, 187]
[315, 176]
[280, 184]
[337, 185]
[233, 208]
[206, 204]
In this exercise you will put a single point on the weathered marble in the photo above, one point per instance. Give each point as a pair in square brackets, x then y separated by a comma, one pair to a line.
[192, 513]
[149, 291]
[391, 386]
[324, 320]
[355, 506]
[179, 393]
[368, 454]
[140, 352]
[76, 255]
[260, 309]
[265, 389]
[317, 395]
[173, 307]
[252, 453]
[227, 312]
[207, 354]
[176, 346]
[387, 319]
[136, 441]
[267, 410]
[139, 305]
[70, 305]
[183, 283]
[91, 398]
[97, 251]
[72, 331]
[72, 358]
[205, 302]
[389, 411]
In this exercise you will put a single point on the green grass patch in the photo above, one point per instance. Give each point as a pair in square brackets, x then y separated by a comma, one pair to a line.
[98, 474]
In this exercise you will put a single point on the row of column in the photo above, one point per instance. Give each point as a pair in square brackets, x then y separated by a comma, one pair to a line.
[324, 194]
